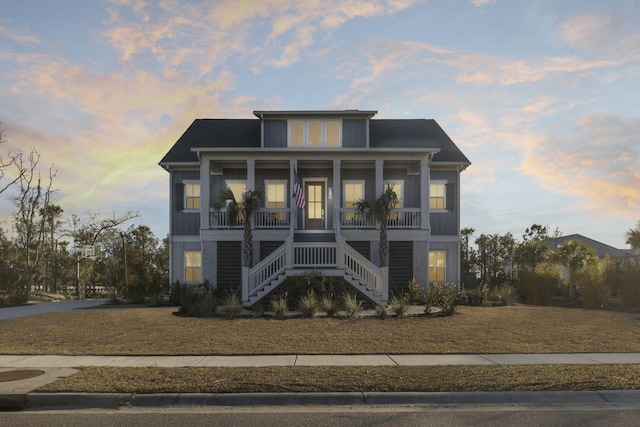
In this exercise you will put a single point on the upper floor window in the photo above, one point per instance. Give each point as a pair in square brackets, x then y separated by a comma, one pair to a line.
[275, 194]
[192, 196]
[437, 196]
[398, 187]
[315, 134]
[237, 187]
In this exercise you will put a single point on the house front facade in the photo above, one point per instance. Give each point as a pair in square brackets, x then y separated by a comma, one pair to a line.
[336, 158]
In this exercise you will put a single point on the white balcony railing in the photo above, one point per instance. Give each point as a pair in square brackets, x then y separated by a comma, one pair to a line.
[262, 218]
[399, 218]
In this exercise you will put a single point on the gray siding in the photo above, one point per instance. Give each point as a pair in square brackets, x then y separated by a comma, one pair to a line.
[446, 223]
[275, 133]
[183, 223]
[354, 133]
[218, 182]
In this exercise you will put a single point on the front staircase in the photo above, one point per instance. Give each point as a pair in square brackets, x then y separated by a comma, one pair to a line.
[329, 258]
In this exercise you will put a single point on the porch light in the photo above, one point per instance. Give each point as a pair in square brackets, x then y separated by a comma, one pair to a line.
[330, 192]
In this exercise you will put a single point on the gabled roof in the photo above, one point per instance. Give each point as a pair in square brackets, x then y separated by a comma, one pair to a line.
[600, 248]
[214, 133]
[415, 133]
[245, 133]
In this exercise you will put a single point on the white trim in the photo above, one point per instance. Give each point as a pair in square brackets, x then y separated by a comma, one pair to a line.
[186, 183]
[344, 190]
[444, 195]
[282, 182]
[326, 200]
[446, 256]
[184, 273]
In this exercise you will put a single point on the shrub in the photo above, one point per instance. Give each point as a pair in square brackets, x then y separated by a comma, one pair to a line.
[352, 305]
[591, 283]
[413, 292]
[381, 311]
[232, 305]
[540, 284]
[629, 287]
[443, 296]
[472, 297]
[399, 306]
[504, 294]
[205, 306]
[308, 305]
[280, 306]
[329, 305]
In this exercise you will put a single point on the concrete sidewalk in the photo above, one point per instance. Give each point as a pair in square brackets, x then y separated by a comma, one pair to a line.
[54, 361]
[18, 394]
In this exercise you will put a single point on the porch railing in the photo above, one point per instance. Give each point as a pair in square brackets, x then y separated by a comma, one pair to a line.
[399, 218]
[364, 271]
[262, 219]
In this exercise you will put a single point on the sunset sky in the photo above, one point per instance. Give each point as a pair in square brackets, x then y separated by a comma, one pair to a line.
[542, 96]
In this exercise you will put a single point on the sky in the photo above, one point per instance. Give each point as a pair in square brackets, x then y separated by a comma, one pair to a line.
[541, 95]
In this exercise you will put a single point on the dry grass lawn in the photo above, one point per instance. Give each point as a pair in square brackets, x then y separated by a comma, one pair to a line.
[157, 331]
[350, 379]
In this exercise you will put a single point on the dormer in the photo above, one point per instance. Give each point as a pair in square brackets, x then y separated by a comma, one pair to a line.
[315, 129]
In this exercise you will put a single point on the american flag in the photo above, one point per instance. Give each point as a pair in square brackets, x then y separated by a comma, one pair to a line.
[298, 194]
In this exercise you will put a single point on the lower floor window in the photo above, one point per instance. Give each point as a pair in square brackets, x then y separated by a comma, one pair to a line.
[437, 266]
[192, 266]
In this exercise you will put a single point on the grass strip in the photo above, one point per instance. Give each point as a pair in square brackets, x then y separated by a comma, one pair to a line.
[349, 379]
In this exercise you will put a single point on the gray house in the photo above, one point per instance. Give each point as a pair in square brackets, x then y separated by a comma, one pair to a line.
[336, 158]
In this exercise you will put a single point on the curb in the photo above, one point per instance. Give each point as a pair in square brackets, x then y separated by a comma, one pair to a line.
[60, 401]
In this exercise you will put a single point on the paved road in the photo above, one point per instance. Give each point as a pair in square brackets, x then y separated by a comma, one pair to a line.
[394, 416]
[48, 307]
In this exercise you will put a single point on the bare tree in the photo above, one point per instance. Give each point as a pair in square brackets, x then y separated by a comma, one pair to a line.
[12, 160]
[33, 198]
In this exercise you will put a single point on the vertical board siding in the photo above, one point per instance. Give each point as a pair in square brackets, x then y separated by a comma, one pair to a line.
[267, 247]
[411, 197]
[275, 133]
[183, 224]
[446, 223]
[229, 267]
[363, 247]
[400, 266]
[354, 133]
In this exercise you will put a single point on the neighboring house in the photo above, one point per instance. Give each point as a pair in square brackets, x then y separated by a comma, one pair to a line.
[339, 157]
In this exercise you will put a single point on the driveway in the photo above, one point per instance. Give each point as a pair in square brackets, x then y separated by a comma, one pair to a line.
[48, 307]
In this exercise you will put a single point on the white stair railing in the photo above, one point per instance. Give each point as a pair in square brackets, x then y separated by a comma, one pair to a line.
[266, 271]
[364, 271]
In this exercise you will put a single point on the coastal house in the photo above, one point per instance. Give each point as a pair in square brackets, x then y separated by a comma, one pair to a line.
[314, 166]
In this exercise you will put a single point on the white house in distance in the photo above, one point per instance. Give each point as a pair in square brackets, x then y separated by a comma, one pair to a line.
[338, 158]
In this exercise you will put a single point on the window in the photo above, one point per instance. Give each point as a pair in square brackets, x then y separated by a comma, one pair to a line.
[314, 134]
[437, 194]
[275, 196]
[237, 187]
[353, 191]
[437, 266]
[192, 266]
[398, 187]
[192, 196]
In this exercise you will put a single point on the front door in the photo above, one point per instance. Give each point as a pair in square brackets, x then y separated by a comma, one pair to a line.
[314, 217]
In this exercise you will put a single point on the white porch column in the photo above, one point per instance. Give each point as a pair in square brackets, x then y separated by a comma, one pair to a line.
[251, 174]
[424, 195]
[337, 191]
[379, 177]
[205, 193]
[293, 209]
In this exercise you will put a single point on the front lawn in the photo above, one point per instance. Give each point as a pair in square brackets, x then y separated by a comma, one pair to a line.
[157, 331]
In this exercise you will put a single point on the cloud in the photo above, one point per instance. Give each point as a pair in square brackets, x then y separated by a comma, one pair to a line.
[595, 158]
[479, 3]
[20, 37]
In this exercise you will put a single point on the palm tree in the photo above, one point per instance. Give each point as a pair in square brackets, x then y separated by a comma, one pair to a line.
[573, 255]
[382, 208]
[633, 237]
[241, 210]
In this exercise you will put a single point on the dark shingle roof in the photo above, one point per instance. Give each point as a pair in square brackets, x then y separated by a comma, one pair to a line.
[245, 133]
[214, 133]
[601, 249]
[415, 133]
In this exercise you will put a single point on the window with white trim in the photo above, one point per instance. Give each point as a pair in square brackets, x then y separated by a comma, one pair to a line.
[314, 133]
[352, 192]
[437, 196]
[275, 196]
[237, 187]
[437, 266]
[192, 195]
[192, 267]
